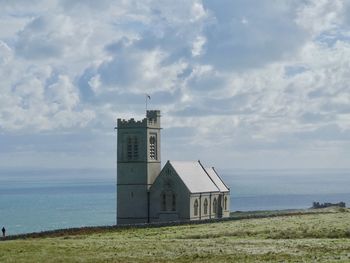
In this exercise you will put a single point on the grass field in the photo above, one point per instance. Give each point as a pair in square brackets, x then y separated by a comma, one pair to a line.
[314, 237]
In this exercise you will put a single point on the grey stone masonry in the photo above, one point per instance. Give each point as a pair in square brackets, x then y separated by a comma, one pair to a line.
[138, 165]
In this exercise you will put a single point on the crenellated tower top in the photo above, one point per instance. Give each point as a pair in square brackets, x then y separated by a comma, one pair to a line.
[152, 120]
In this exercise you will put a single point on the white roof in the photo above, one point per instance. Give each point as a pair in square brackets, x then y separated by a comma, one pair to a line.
[217, 180]
[194, 177]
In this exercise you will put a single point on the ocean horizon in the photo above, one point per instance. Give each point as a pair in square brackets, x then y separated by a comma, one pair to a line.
[36, 200]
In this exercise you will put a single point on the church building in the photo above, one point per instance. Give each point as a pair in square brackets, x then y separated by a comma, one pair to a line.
[146, 193]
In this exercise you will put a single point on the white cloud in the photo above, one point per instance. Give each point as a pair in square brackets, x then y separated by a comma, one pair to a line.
[28, 101]
[95, 83]
[265, 77]
[5, 53]
[62, 93]
[198, 44]
[320, 15]
[140, 71]
[198, 11]
[48, 37]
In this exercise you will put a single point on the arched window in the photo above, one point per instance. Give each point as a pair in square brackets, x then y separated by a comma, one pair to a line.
[153, 147]
[136, 148]
[168, 201]
[163, 202]
[215, 206]
[173, 204]
[225, 202]
[205, 206]
[132, 148]
[129, 148]
[195, 206]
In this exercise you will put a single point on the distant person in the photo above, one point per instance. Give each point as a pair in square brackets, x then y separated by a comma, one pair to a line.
[3, 231]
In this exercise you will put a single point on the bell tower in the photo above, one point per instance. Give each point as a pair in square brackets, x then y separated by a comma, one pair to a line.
[138, 165]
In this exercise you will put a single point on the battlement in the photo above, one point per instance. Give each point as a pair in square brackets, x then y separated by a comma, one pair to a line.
[132, 123]
[152, 120]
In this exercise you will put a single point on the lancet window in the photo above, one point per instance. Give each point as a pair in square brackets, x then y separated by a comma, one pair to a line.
[215, 206]
[153, 147]
[168, 201]
[163, 202]
[132, 148]
[129, 148]
[205, 206]
[195, 207]
[136, 148]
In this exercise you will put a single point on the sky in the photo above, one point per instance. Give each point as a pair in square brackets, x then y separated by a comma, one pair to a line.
[241, 84]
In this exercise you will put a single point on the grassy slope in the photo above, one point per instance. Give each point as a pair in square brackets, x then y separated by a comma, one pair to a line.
[297, 238]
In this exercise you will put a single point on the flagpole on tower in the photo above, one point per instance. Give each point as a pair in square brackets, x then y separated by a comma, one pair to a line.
[148, 97]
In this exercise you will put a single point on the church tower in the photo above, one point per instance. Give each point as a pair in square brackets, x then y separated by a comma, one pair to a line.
[138, 165]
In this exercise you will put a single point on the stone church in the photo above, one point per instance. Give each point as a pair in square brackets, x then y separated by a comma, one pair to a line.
[146, 193]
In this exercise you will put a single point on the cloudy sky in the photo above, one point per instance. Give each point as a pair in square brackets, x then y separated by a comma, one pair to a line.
[240, 83]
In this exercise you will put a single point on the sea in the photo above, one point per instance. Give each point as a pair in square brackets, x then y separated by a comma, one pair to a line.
[34, 200]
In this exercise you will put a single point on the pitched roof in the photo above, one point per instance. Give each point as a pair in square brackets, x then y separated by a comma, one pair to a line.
[217, 180]
[194, 177]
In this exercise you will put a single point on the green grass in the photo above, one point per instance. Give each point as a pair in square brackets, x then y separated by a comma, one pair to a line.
[314, 237]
